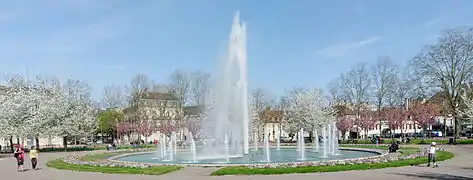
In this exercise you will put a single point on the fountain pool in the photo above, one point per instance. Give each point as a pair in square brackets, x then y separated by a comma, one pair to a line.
[254, 157]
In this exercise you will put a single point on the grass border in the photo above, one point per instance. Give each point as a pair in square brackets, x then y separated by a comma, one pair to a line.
[152, 170]
[241, 170]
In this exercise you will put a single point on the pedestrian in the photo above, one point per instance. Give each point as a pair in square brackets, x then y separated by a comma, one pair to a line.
[33, 157]
[20, 157]
[431, 156]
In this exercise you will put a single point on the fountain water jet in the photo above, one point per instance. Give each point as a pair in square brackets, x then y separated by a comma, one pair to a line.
[227, 155]
[329, 139]
[164, 148]
[266, 147]
[192, 148]
[324, 135]
[335, 140]
[255, 142]
[174, 142]
[171, 152]
[227, 104]
[301, 145]
[278, 142]
[316, 141]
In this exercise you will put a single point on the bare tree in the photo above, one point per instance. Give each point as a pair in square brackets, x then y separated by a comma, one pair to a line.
[199, 86]
[113, 97]
[334, 88]
[355, 86]
[448, 65]
[161, 88]
[180, 82]
[138, 87]
[383, 77]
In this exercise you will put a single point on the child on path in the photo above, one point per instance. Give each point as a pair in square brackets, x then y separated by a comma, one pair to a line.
[33, 157]
[431, 155]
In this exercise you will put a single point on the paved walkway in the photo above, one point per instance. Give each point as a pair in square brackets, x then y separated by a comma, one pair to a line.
[458, 168]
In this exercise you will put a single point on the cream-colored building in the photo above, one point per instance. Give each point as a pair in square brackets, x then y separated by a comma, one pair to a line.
[162, 111]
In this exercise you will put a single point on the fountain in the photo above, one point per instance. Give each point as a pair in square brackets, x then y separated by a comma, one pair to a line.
[316, 141]
[225, 123]
[266, 147]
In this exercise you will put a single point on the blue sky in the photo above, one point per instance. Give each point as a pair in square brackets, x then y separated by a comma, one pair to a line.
[303, 42]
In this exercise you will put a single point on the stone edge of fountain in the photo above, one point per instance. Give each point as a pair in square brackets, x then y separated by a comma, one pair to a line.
[381, 154]
[383, 157]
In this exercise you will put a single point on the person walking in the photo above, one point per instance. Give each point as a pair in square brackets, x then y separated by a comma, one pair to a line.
[20, 157]
[33, 157]
[431, 156]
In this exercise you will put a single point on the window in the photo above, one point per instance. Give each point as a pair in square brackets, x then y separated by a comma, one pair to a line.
[410, 126]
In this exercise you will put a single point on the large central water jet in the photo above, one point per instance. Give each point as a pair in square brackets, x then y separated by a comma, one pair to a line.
[227, 109]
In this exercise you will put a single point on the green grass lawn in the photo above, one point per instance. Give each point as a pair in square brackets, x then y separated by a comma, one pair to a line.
[402, 150]
[240, 170]
[413, 141]
[154, 170]
[97, 157]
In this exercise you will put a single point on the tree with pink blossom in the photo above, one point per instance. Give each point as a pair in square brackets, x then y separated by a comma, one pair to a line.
[423, 115]
[344, 123]
[366, 121]
[145, 128]
[123, 128]
[167, 127]
[396, 118]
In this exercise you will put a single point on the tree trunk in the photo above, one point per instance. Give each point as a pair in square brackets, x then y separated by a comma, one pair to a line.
[18, 141]
[11, 144]
[311, 134]
[445, 127]
[37, 142]
[415, 130]
[457, 127]
[64, 142]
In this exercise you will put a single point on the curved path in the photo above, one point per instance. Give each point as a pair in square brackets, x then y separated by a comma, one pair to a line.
[458, 168]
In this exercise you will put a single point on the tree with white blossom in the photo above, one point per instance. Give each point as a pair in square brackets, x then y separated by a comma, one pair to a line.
[308, 109]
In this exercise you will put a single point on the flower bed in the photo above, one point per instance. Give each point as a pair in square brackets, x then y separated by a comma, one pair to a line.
[78, 160]
[384, 158]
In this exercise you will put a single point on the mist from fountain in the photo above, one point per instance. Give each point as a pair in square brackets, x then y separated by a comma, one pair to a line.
[266, 147]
